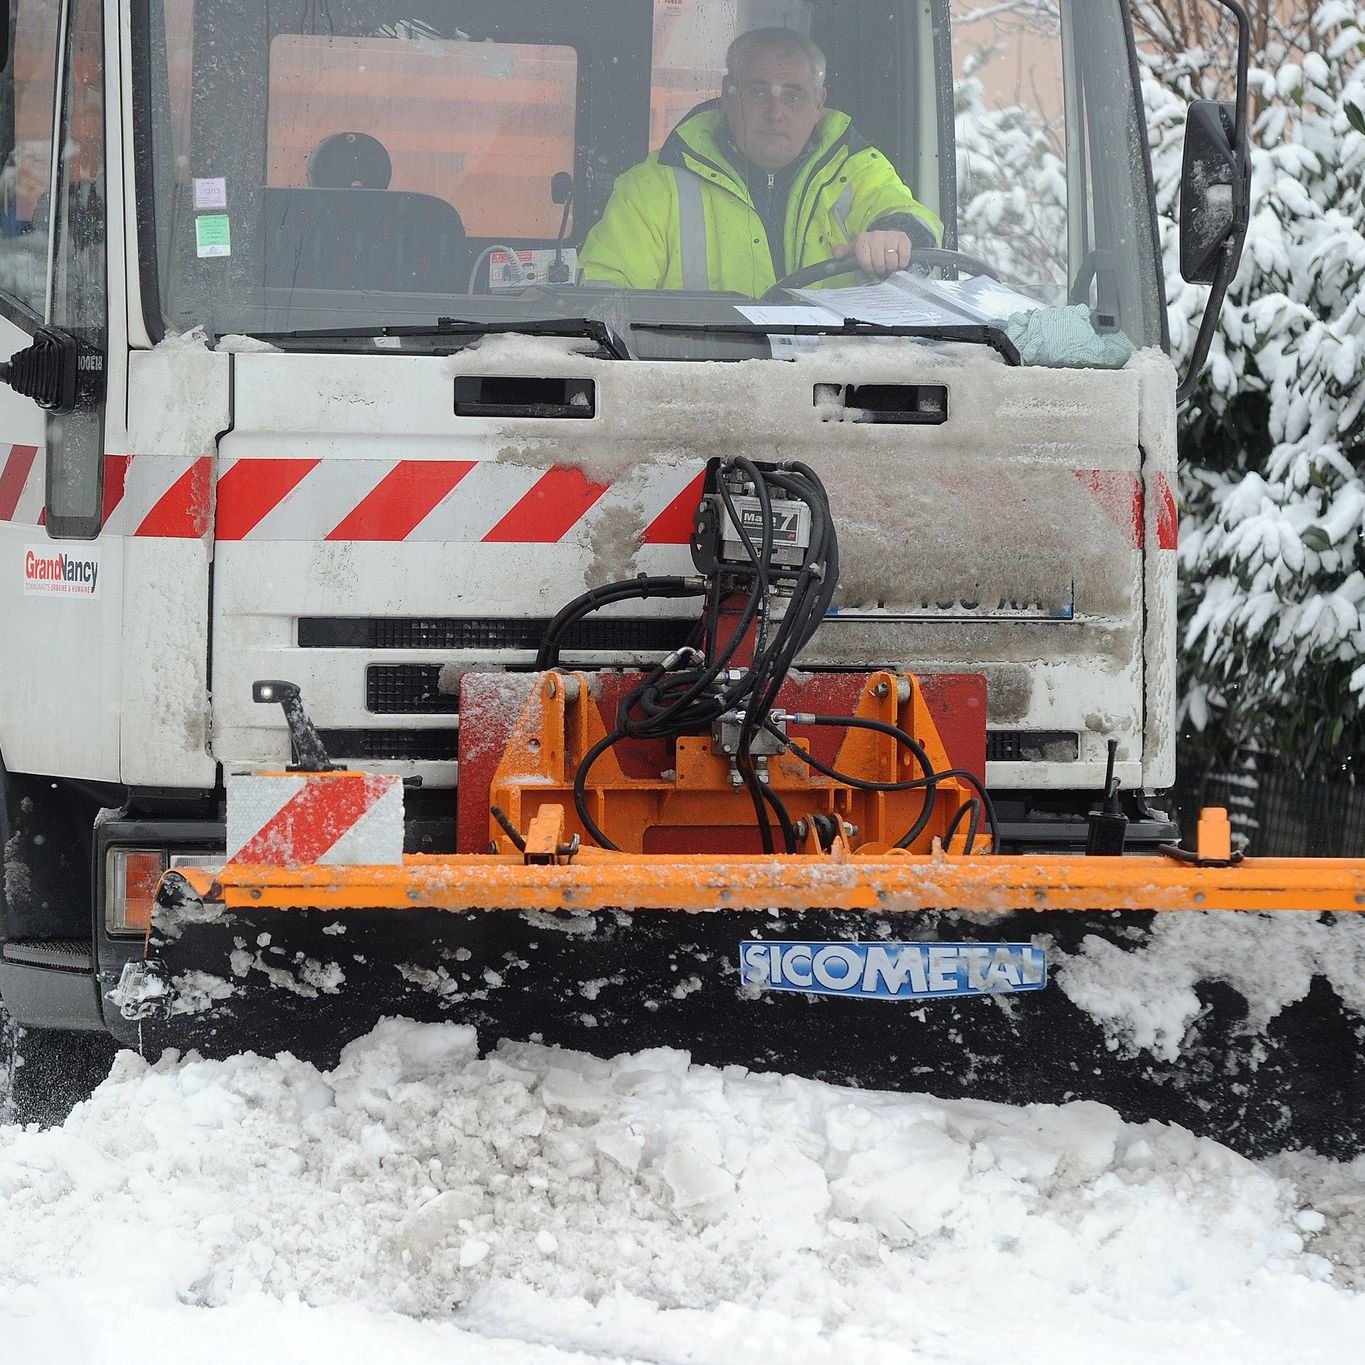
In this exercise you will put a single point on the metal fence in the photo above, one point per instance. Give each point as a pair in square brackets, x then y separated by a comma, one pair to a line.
[1284, 816]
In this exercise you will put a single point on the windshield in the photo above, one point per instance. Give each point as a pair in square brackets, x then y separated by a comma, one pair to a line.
[704, 164]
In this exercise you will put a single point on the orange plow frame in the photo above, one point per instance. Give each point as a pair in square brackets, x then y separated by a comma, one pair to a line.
[888, 881]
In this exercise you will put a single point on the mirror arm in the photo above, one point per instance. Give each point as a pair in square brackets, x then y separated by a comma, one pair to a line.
[1208, 324]
[1241, 131]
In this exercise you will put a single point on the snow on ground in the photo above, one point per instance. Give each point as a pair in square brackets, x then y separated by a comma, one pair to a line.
[419, 1203]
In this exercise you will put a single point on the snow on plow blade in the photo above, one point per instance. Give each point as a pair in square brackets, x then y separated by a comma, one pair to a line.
[1227, 999]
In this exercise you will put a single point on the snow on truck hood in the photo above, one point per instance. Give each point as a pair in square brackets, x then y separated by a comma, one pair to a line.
[421, 1203]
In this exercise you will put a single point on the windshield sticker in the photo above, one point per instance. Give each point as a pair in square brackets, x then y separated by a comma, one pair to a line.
[210, 192]
[61, 573]
[212, 235]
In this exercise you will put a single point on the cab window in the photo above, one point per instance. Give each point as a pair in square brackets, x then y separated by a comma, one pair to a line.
[26, 109]
[690, 41]
[75, 441]
[483, 126]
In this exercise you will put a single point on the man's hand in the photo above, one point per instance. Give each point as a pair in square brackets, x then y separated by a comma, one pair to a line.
[879, 253]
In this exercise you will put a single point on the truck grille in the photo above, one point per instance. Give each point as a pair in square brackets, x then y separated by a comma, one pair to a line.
[1032, 746]
[427, 746]
[628, 634]
[408, 689]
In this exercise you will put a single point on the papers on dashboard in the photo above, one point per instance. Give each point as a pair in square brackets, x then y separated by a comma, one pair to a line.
[901, 300]
[916, 301]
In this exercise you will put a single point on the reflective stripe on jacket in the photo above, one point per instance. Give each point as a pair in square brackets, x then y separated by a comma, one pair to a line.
[683, 218]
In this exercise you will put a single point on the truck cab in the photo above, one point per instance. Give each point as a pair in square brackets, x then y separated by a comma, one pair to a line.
[309, 384]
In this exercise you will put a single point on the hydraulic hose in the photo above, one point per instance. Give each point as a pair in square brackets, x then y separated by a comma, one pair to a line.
[626, 590]
[929, 780]
[670, 704]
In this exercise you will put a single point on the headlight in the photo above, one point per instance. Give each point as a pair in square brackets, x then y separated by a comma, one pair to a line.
[131, 876]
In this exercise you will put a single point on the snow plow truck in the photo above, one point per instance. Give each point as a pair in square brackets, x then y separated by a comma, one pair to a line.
[398, 616]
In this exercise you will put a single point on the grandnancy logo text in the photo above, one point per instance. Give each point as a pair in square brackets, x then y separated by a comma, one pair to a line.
[893, 971]
[68, 573]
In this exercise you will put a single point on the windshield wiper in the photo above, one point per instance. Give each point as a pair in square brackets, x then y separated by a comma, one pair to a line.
[979, 334]
[592, 328]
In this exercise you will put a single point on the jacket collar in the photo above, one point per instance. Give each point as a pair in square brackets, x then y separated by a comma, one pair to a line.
[701, 141]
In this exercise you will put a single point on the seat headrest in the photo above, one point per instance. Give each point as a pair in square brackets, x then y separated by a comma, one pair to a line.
[350, 161]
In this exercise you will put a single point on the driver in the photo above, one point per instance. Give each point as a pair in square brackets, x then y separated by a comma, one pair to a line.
[757, 184]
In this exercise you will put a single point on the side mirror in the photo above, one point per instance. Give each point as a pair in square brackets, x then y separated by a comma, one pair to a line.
[1215, 199]
[1213, 187]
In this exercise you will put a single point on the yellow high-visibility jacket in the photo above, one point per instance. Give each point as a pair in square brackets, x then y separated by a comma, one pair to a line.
[683, 218]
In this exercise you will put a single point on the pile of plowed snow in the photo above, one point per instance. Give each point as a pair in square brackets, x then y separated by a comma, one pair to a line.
[421, 1203]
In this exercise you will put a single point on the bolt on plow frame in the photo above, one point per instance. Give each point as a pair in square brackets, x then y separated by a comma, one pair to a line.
[782, 870]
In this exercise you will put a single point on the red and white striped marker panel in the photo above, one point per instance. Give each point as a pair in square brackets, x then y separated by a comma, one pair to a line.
[1120, 493]
[297, 819]
[21, 484]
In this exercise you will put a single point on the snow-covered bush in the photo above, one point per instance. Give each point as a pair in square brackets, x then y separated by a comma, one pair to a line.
[1272, 547]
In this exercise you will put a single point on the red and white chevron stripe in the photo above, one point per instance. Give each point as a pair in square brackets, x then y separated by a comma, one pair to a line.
[153, 495]
[453, 501]
[261, 499]
[21, 485]
[1119, 492]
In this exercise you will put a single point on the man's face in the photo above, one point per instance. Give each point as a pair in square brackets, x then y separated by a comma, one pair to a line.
[772, 107]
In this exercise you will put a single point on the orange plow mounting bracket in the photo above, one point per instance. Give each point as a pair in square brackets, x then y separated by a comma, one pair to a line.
[684, 797]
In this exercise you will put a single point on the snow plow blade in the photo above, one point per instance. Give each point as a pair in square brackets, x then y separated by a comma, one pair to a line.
[1228, 999]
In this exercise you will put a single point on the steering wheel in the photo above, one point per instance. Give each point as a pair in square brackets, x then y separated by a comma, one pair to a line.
[926, 257]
